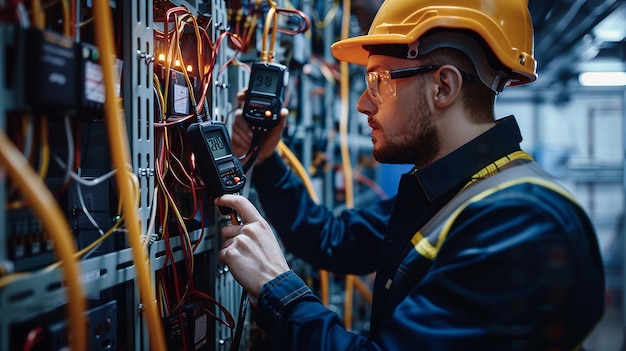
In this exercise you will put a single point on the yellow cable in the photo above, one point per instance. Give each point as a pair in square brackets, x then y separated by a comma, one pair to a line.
[44, 156]
[249, 28]
[47, 209]
[199, 48]
[299, 169]
[345, 153]
[27, 132]
[120, 153]
[272, 16]
[12, 278]
[39, 20]
[343, 121]
[184, 240]
[179, 55]
[67, 25]
[88, 248]
[155, 77]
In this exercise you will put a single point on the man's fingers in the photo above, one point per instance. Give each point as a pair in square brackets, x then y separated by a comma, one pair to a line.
[231, 231]
[241, 96]
[241, 205]
[224, 250]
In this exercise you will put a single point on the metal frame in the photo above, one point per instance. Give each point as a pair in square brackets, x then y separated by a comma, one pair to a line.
[138, 106]
[41, 291]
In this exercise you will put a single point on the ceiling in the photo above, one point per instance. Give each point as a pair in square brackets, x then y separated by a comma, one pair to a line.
[576, 35]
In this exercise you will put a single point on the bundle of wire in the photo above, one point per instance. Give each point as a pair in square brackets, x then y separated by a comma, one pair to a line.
[179, 196]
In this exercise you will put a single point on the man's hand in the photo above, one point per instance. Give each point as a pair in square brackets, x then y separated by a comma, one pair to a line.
[251, 251]
[242, 134]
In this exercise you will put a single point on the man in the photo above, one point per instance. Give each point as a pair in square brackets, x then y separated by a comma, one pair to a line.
[479, 250]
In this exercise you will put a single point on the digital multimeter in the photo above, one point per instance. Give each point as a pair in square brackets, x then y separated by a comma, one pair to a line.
[264, 98]
[220, 170]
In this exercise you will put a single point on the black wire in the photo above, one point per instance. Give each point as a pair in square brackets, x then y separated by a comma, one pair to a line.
[243, 307]
[255, 146]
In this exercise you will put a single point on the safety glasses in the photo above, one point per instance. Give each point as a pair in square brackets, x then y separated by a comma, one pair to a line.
[381, 85]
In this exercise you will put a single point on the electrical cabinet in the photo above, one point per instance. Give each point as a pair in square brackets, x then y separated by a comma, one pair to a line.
[173, 63]
[53, 110]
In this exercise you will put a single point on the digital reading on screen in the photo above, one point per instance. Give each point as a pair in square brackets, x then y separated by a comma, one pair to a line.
[265, 81]
[217, 146]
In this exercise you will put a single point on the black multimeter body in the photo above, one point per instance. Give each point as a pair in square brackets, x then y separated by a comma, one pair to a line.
[220, 170]
[264, 98]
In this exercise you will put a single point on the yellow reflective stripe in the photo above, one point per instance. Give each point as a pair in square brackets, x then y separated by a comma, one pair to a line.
[490, 191]
[495, 166]
[417, 238]
[424, 248]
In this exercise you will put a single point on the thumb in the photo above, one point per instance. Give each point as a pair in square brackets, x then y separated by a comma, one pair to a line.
[241, 205]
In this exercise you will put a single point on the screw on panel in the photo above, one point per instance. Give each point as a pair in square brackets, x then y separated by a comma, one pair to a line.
[223, 342]
[222, 270]
[221, 27]
[222, 85]
[148, 58]
[146, 172]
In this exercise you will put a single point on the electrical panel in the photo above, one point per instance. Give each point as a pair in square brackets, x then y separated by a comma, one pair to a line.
[170, 63]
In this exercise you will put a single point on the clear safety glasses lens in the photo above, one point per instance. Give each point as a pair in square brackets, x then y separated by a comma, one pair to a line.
[380, 86]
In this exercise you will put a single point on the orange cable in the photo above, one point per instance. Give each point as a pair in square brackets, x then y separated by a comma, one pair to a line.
[120, 152]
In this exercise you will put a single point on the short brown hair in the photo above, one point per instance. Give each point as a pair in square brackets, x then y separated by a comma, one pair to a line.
[478, 98]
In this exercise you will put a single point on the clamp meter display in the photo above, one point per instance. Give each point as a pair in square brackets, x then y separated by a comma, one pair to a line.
[220, 170]
[265, 95]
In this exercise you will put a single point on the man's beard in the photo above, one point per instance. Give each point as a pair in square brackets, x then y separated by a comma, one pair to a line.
[418, 144]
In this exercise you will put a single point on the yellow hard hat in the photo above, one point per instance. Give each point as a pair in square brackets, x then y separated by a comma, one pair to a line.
[504, 26]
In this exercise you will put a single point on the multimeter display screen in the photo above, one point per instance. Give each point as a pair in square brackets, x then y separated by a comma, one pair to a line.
[216, 143]
[266, 81]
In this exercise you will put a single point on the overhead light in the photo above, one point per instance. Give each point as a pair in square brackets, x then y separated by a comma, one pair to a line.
[612, 27]
[602, 79]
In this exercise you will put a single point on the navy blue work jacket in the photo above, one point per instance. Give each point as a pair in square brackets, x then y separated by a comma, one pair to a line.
[519, 270]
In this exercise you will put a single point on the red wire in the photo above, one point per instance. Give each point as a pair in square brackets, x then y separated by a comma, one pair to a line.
[182, 329]
[186, 177]
[173, 157]
[186, 247]
[170, 257]
[32, 338]
[173, 122]
[201, 227]
[229, 322]
[73, 21]
[303, 20]
[166, 25]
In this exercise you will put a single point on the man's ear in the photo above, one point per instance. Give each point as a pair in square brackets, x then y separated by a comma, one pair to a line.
[449, 80]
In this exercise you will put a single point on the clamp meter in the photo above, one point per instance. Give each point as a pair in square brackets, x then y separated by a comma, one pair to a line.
[220, 170]
[265, 93]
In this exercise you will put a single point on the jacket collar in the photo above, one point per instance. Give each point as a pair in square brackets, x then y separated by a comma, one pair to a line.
[458, 166]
